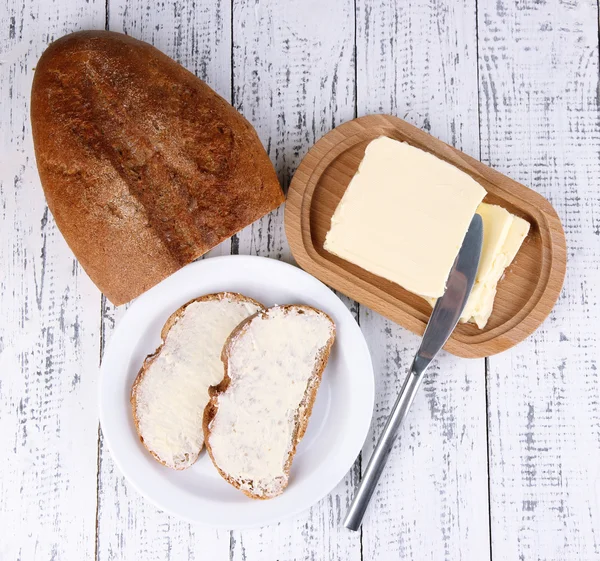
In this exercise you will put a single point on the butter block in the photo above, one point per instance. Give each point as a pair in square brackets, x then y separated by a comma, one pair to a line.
[404, 216]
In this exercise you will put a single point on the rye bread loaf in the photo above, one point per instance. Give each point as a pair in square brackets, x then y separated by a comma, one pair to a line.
[171, 390]
[259, 413]
[143, 165]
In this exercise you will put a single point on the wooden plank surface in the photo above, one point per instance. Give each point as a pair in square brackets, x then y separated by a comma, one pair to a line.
[520, 76]
[541, 125]
[49, 331]
[198, 36]
[418, 61]
[294, 80]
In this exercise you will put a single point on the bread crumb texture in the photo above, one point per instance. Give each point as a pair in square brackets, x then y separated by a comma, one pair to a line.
[274, 366]
[171, 391]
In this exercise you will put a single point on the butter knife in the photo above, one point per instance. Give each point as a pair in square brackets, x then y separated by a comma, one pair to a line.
[442, 322]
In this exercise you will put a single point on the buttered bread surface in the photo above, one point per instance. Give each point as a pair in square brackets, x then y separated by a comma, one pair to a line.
[274, 364]
[172, 389]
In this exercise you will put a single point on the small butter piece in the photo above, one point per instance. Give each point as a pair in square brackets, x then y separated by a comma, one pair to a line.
[503, 235]
[404, 216]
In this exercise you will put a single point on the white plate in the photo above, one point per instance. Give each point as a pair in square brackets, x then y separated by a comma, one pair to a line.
[338, 425]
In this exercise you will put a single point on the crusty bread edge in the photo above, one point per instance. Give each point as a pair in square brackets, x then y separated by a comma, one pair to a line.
[304, 409]
[171, 321]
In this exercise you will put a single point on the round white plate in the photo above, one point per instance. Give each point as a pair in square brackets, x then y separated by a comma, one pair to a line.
[337, 428]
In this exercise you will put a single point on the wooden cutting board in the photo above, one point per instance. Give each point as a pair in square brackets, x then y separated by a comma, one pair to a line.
[527, 292]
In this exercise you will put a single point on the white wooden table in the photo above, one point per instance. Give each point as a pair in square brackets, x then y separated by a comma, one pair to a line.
[500, 459]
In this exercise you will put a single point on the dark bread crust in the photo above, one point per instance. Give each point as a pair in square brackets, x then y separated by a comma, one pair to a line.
[171, 321]
[304, 410]
[143, 165]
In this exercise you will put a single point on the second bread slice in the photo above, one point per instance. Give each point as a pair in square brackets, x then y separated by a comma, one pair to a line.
[259, 413]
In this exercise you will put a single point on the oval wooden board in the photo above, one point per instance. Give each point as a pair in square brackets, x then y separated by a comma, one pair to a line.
[527, 292]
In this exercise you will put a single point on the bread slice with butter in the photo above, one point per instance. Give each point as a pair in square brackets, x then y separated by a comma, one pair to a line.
[171, 390]
[259, 413]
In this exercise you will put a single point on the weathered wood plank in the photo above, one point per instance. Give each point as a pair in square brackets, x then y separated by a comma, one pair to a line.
[418, 61]
[196, 34]
[294, 80]
[541, 125]
[49, 326]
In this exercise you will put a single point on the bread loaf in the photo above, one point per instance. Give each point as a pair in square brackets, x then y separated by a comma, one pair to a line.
[259, 412]
[144, 167]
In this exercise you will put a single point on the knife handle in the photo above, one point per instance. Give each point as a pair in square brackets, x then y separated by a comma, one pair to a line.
[383, 449]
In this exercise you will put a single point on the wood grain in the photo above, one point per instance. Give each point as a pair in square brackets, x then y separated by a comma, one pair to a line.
[198, 36]
[541, 125]
[527, 292]
[49, 326]
[417, 60]
[294, 80]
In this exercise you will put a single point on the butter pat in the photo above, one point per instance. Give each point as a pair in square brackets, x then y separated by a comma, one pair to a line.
[404, 216]
[503, 235]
